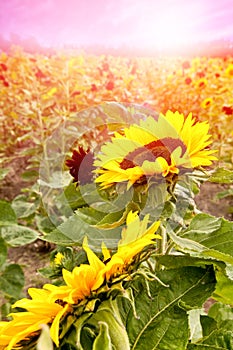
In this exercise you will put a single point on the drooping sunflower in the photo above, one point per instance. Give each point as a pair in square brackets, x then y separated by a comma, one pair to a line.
[39, 310]
[51, 304]
[154, 147]
[88, 278]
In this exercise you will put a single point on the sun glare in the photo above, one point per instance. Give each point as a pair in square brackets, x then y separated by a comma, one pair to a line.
[169, 32]
[175, 27]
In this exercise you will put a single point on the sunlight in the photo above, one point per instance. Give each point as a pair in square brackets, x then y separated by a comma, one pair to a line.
[170, 32]
[174, 28]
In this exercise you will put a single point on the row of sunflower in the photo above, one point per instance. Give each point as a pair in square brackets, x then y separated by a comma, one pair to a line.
[151, 265]
[37, 91]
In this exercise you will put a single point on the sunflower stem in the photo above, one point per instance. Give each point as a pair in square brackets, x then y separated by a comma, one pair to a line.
[161, 244]
[163, 233]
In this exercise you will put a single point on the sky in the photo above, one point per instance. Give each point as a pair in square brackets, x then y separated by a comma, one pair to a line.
[157, 24]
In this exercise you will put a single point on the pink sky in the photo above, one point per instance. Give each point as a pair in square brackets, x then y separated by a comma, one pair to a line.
[113, 23]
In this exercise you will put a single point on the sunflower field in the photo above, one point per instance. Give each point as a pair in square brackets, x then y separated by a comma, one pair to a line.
[120, 169]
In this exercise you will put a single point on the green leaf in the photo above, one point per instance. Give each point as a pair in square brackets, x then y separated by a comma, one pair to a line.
[177, 261]
[163, 320]
[224, 287]
[226, 193]
[90, 215]
[3, 251]
[17, 235]
[80, 321]
[3, 173]
[57, 179]
[103, 340]
[70, 198]
[74, 229]
[108, 313]
[223, 176]
[195, 324]
[112, 220]
[217, 329]
[30, 175]
[220, 313]
[12, 281]
[117, 218]
[207, 237]
[219, 344]
[7, 214]
[23, 208]
[208, 325]
[44, 224]
[73, 196]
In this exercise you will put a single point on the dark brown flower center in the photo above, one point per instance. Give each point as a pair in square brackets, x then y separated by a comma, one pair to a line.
[151, 151]
[81, 165]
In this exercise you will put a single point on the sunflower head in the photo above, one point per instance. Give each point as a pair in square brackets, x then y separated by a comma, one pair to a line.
[155, 148]
[81, 165]
[207, 102]
[229, 70]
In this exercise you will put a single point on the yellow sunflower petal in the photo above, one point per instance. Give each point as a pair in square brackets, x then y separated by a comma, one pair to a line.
[155, 147]
[105, 252]
[54, 330]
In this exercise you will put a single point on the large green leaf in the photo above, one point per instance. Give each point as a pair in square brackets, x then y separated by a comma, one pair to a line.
[176, 261]
[23, 208]
[224, 288]
[12, 281]
[217, 329]
[207, 237]
[162, 317]
[223, 176]
[74, 229]
[90, 215]
[7, 214]
[17, 235]
[221, 313]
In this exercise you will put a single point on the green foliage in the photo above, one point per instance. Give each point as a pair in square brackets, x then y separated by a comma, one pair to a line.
[217, 329]
[3, 173]
[207, 237]
[13, 233]
[24, 207]
[74, 229]
[162, 316]
[195, 258]
[11, 281]
[103, 339]
[155, 312]
[222, 176]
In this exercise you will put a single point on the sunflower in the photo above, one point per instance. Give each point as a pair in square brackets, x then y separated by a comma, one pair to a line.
[88, 278]
[51, 303]
[207, 102]
[229, 70]
[154, 147]
[39, 310]
[81, 165]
